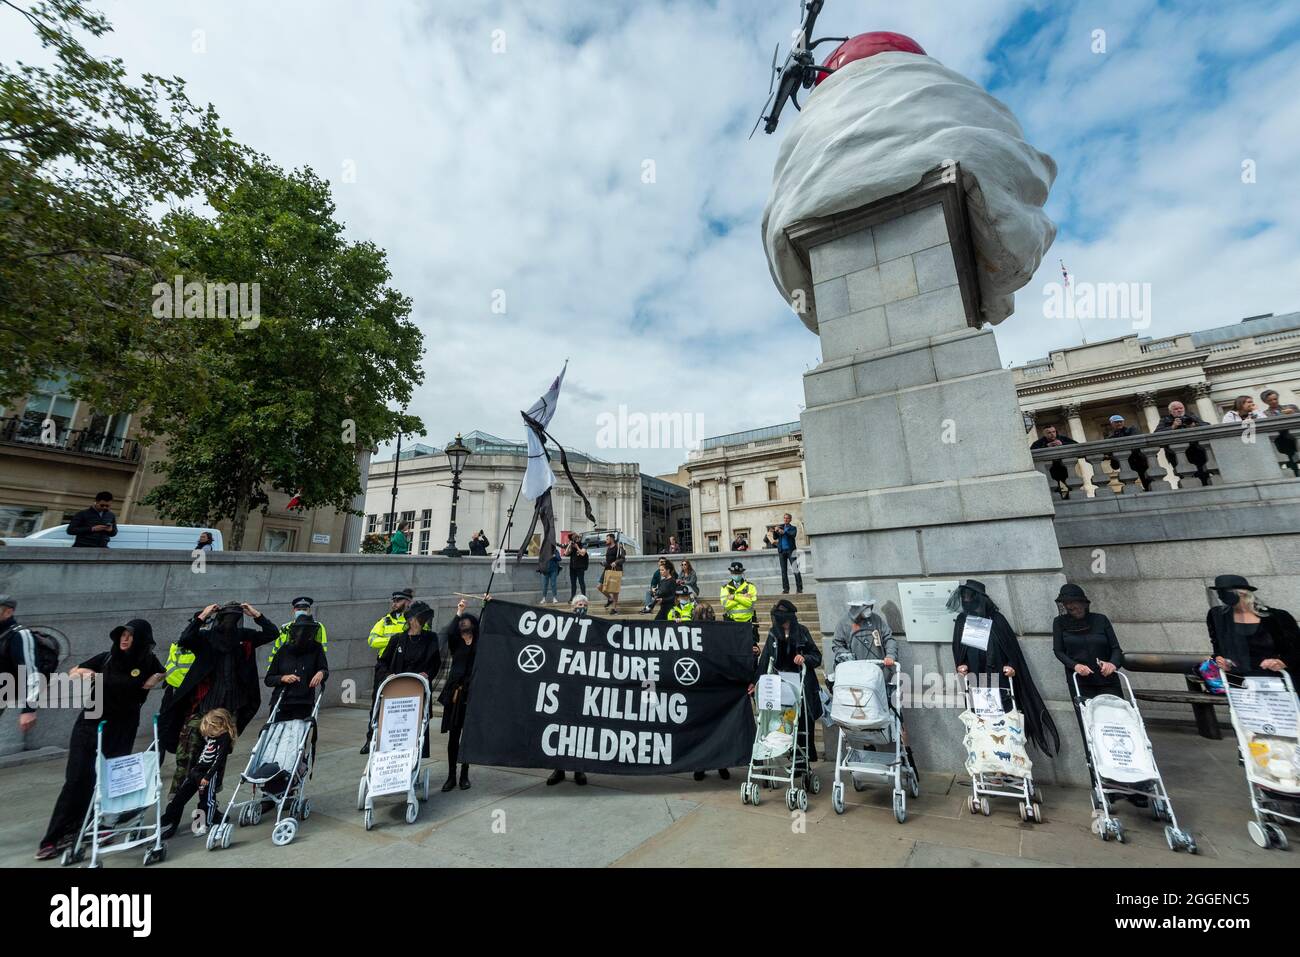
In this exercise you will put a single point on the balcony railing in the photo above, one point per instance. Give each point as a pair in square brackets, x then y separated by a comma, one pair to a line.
[28, 432]
[1262, 450]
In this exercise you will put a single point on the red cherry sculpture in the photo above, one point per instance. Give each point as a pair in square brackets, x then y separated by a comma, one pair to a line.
[868, 44]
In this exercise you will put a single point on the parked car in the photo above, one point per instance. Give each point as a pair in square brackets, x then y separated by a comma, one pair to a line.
[172, 537]
[596, 541]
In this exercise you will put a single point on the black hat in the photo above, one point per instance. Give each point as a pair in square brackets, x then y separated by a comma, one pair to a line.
[403, 594]
[302, 601]
[736, 568]
[1231, 583]
[231, 608]
[8, 601]
[421, 610]
[1071, 593]
[972, 585]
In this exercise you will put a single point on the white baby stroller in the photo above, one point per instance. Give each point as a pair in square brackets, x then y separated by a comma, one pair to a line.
[399, 722]
[279, 767]
[780, 752]
[1265, 715]
[1122, 763]
[996, 758]
[126, 810]
[864, 707]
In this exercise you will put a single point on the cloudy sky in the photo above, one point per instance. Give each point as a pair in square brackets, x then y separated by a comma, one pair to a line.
[500, 151]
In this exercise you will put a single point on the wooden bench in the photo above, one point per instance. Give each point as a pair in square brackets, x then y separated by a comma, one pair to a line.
[1202, 701]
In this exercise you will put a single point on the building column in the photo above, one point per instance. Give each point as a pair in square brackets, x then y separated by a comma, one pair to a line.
[494, 513]
[1074, 420]
[724, 514]
[1150, 411]
[1204, 407]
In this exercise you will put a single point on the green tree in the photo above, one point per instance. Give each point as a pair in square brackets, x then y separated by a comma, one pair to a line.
[85, 158]
[283, 401]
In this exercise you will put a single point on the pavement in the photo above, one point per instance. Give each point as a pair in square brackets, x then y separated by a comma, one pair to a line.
[509, 817]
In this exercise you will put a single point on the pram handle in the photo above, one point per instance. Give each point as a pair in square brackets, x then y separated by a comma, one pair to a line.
[1124, 680]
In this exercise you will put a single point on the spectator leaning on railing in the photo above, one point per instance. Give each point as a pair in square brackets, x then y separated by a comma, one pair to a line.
[1273, 405]
[1177, 417]
[1051, 439]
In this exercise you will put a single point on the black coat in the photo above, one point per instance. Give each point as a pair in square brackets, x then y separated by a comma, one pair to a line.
[290, 661]
[1004, 649]
[454, 696]
[1085, 646]
[124, 675]
[785, 647]
[1278, 625]
[414, 654]
[82, 523]
[207, 659]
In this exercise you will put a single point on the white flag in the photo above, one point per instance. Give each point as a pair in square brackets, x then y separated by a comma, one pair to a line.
[538, 476]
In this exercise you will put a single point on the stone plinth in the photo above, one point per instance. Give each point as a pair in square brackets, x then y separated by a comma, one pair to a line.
[917, 460]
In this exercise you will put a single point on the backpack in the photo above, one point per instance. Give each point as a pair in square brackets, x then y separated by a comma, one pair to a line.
[51, 648]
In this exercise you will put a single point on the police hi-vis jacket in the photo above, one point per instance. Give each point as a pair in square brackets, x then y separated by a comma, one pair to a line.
[386, 628]
[738, 601]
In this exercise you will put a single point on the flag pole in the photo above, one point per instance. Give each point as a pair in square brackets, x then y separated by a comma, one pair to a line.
[505, 538]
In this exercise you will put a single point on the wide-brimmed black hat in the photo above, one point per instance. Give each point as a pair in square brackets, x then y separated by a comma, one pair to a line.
[1071, 592]
[975, 586]
[1232, 583]
[421, 610]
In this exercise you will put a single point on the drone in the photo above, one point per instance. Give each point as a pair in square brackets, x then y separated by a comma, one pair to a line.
[800, 69]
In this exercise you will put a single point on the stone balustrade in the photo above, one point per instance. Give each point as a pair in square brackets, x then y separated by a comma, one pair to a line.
[1255, 451]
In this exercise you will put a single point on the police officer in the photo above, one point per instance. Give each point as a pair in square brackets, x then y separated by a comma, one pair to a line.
[301, 609]
[684, 609]
[738, 597]
[386, 628]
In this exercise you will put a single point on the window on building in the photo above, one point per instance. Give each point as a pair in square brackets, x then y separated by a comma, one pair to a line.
[372, 522]
[49, 401]
[771, 490]
[713, 543]
[279, 539]
[426, 521]
[105, 433]
[19, 522]
[388, 522]
[738, 494]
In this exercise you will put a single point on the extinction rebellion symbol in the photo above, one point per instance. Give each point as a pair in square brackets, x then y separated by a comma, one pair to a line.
[687, 670]
[531, 659]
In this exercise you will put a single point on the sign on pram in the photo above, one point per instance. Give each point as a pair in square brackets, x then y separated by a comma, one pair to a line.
[1264, 706]
[1120, 746]
[125, 775]
[769, 692]
[400, 725]
[975, 634]
[616, 697]
[390, 771]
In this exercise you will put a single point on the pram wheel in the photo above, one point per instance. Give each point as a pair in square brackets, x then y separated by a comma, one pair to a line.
[153, 856]
[1038, 813]
[914, 783]
[1024, 811]
[304, 809]
[837, 797]
[974, 805]
[1113, 828]
[1277, 836]
[900, 807]
[73, 856]
[412, 810]
[361, 794]
[985, 808]
[812, 782]
[369, 819]
[284, 832]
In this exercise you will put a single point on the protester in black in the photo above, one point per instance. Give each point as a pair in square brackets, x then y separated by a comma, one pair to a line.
[1000, 660]
[579, 603]
[94, 526]
[578, 563]
[1084, 641]
[217, 737]
[789, 645]
[127, 672]
[297, 670]
[222, 675]
[462, 646]
[414, 651]
[1249, 638]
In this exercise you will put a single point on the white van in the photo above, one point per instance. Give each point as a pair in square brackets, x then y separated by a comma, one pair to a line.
[172, 537]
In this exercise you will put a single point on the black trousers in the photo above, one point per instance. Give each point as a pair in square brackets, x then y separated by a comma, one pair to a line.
[786, 558]
[577, 582]
[79, 778]
[176, 806]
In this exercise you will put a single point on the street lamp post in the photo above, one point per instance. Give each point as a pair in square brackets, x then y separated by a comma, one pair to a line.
[457, 454]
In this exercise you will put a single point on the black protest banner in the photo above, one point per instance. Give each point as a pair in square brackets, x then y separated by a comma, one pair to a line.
[551, 690]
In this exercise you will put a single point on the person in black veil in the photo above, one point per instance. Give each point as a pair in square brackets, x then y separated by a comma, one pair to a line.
[462, 646]
[1002, 658]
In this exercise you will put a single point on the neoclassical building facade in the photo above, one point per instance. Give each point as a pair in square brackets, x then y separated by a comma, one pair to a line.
[1078, 389]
